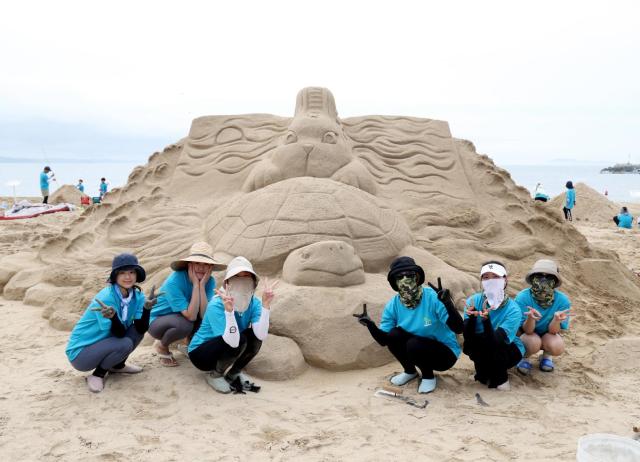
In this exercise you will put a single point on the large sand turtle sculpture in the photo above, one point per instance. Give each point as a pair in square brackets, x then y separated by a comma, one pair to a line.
[322, 203]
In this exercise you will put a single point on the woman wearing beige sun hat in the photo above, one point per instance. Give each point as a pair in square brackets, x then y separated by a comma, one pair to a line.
[183, 299]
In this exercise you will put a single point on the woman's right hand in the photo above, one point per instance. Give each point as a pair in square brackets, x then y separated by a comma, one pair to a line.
[471, 310]
[227, 299]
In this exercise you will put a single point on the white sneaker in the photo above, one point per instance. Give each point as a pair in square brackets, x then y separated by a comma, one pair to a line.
[403, 378]
[218, 383]
[95, 383]
[427, 385]
[504, 386]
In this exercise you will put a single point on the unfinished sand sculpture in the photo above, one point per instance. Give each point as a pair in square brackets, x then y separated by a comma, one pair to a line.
[324, 204]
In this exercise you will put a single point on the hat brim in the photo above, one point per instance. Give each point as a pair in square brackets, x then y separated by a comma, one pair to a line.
[537, 271]
[239, 269]
[141, 274]
[180, 265]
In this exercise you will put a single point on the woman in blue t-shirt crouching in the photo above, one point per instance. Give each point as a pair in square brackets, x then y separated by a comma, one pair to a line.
[113, 324]
[491, 322]
[546, 312]
[233, 329]
[419, 325]
[183, 300]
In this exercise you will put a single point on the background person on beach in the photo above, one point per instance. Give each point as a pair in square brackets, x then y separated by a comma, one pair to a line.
[570, 201]
[103, 188]
[491, 322]
[546, 312]
[113, 324]
[45, 176]
[233, 329]
[624, 219]
[185, 295]
[540, 194]
[419, 325]
[80, 186]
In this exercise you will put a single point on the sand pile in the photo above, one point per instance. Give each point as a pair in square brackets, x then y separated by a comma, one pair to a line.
[68, 194]
[282, 191]
[591, 206]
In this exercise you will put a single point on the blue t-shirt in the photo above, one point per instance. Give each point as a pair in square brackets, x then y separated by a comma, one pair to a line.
[560, 302]
[214, 321]
[44, 180]
[103, 188]
[508, 317]
[570, 198]
[428, 319]
[177, 290]
[93, 327]
[80, 187]
[625, 220]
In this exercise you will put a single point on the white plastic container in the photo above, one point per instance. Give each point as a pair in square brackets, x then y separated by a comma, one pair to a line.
[603, 447]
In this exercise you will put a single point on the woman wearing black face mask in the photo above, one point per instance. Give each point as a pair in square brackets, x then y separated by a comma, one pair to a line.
[419, 325]
[491, 322]
[546, 312]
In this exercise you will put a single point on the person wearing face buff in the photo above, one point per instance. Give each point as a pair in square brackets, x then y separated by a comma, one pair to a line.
[113, 324]
[419, 325]
[234, 326]
[546, 312]
[491, 322]
[183, 300]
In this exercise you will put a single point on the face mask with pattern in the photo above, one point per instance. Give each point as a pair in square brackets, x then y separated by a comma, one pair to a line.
[409, 290]
[542, 290]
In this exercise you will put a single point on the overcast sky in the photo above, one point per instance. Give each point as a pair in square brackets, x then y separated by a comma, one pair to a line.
[525, 81]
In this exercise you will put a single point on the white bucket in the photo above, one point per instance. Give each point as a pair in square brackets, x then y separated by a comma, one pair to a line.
[603, 447]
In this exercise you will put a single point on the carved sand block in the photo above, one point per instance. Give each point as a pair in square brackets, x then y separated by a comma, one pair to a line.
[326, 263]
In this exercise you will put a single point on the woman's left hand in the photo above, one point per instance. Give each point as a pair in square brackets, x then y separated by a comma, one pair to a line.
[268, 292]
[207, 275]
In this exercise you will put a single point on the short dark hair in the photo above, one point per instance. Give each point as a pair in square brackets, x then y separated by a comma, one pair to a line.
[103, 179]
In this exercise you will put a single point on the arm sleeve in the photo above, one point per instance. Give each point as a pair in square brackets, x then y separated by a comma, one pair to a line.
[261, 328]
[117, 328]
[231, 335]
[142, 324]
[454, 321]
[378, 335]
[498, 336]
[469, 329]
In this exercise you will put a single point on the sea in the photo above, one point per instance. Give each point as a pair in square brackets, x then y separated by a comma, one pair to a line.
[25, 177]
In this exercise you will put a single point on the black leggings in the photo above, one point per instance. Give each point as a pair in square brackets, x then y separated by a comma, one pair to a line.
[217, 355]
[567, 214]
[425, 353]
[491, 360]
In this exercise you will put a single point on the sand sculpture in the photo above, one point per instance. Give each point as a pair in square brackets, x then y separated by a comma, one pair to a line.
[324, 204]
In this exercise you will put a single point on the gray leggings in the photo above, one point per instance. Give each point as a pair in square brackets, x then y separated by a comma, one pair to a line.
[170, 328]
[107, 352]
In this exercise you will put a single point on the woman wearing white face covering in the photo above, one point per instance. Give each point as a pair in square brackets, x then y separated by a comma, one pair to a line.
[233, 329]
[491, 322]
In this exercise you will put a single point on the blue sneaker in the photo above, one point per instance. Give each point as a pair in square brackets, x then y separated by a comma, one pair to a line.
[524, 367]
[546, 365]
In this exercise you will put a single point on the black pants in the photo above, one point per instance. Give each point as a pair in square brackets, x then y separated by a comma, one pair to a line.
[217, 355]
[491, 360]
[427, 354]
[567, 214]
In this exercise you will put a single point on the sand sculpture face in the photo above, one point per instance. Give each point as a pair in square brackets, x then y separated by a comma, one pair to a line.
[314, 145]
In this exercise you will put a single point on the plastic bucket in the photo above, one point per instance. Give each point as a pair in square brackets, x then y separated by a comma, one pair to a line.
[602, 447]
[95, 200]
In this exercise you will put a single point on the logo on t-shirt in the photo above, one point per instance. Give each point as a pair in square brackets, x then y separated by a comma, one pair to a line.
[427, 321]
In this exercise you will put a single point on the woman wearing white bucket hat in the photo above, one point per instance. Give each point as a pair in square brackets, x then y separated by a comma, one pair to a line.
[491, 323]
[546, 312]
[183, 300]
[233, 329]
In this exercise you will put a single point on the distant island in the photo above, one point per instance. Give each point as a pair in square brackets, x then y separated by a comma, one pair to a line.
[622, 168]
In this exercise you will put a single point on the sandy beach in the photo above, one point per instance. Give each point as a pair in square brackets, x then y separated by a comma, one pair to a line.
[46, 413]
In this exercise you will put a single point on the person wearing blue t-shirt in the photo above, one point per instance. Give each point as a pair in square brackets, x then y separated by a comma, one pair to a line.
[80, 186]
[234, 326]
[624, 219]
[570, 201]
[103, 188]
[419, 325]
[546, 312]
[45, 176]
[491, 323]
[183, 300]
[113, 324]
